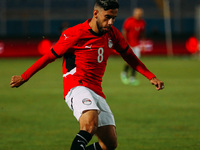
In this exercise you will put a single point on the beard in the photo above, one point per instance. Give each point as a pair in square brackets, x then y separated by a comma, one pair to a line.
[101, 29]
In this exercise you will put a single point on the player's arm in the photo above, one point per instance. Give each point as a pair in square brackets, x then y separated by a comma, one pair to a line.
[142, 39]
[125, 28]
[136, 64]
[127, 54]
[124, 32]
[17, 80]
[59, 49]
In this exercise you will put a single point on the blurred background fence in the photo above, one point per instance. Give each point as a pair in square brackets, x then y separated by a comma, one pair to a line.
[28, 19]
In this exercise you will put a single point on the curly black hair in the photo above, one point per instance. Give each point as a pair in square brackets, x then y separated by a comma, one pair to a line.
[107, 4]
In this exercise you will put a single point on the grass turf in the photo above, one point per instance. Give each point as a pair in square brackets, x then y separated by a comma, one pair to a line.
[35, 116]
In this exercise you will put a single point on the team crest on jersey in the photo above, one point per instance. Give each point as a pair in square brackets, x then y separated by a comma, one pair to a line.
[110, 43]
[87, 101]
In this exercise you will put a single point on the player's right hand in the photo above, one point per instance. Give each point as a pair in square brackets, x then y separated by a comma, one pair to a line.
[16, 81]
[158, 83]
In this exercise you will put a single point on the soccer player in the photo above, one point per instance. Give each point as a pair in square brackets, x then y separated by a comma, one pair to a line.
[133, 31]
[85, 49]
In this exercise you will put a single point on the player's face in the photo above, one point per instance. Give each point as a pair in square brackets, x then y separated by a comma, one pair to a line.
[138, 13]
[105, 19]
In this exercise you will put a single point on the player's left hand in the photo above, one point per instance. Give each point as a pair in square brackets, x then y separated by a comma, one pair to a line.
[159, 84]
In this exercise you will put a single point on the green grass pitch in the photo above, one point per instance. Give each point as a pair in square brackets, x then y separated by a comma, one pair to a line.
[35, 116]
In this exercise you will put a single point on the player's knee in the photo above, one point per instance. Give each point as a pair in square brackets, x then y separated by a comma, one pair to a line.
[90, 127]
[89, 123]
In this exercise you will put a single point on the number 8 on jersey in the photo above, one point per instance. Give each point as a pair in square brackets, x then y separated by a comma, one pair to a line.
[100, 54]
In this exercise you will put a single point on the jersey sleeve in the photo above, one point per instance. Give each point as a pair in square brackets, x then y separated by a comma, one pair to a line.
[120, 44]
[136, 64]
[126, 25]
[38, 65]
[122, 47]
[64, 44]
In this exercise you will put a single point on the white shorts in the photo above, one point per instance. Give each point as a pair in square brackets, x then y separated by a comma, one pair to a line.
[80, 99]
[137, 51]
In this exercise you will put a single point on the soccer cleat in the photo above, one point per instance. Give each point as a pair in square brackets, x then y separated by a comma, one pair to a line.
[134, 82]
[124, 78]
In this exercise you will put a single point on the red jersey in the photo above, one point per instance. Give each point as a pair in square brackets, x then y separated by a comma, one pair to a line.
[133, 30]
[85, 55]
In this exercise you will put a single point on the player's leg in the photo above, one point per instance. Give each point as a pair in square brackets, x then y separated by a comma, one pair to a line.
[124, 74]
[133, 81]
[133, 73]
[89, 121]
[88, 127]
[84, 107]
[94, 146]
[106, 131]
[126, 68]
[107, 139]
